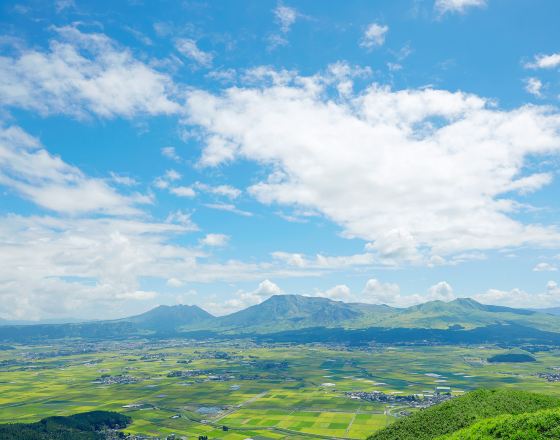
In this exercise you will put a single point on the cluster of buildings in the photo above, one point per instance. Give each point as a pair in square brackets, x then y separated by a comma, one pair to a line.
[121, 379]
[424, 400]
[550, 377]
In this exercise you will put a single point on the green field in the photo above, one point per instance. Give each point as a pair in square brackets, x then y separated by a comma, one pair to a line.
[258, 392]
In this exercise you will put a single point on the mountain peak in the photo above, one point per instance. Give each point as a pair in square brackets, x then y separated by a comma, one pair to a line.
[164, 317]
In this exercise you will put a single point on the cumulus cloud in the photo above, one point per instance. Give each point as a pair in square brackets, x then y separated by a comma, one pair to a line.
[414, 171]
[543, 61]
[215, 240]
[49, 182]
[189, 49]
[243, 299]
[51, 267]
[84, 73]
[534, 86]
[459, 6]
[267, 288]
[376, 292]
[545, 267]
[340, 292]
[374, 36]
[519, 298]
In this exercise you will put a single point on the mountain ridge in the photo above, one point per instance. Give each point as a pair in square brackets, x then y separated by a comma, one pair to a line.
[289, 313]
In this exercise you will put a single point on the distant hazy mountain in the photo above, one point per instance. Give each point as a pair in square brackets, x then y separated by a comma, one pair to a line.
[167, 318]
[551, 311]
[281, 313]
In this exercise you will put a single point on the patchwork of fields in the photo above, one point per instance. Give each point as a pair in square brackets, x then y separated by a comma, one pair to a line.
[239, 390]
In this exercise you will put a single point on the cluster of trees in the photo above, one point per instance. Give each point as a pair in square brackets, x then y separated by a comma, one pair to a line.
[84, 426]
[465, 411]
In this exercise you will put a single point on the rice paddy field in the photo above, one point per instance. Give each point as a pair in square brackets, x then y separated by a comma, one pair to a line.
[240, 390]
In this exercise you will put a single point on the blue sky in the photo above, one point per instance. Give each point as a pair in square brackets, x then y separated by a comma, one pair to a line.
[216, 153]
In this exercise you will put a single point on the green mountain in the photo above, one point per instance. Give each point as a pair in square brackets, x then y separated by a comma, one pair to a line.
[463, 412]
[467, 313]
[170, 318]
[434, 320]
[282, 312]
[292, 312]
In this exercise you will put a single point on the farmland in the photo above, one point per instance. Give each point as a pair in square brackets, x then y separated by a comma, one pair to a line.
[239, 390]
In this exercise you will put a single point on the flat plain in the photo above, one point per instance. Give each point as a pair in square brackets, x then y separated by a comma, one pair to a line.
[238, 390]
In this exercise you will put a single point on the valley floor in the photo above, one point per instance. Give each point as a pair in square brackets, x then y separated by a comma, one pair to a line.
[238, 390]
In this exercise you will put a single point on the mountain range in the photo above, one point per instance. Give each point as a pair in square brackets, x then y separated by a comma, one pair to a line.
[282, 314]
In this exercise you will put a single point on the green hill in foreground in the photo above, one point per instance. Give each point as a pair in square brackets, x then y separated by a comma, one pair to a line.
[540, 425]
[464, 412]
[83, 426]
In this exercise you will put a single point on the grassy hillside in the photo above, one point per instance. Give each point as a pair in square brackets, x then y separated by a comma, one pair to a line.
[540, 425]
[462, 412]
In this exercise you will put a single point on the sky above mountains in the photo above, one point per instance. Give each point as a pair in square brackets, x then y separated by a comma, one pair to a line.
[216, 153]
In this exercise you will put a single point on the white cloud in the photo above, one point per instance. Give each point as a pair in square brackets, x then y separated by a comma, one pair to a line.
[83, 73]
[518, 298]
[123, 180]
[31, 171]
[413, 172]
[275, 41]
[286, 17]
[94, 267]
[267, 288]
[376, 292]
[215, 240]
[243, 299]
[534, 86]
[183, 191]
[170, 153]
[228, 207]
[324, 262]
[442, 291]
[543, 61]
[190, 50]
[460, 6]
[220, 190]
[340, 292]
[182, 218]
[374, 36]
[165, 182]
[545, 267]
[61, 5]
[175, 283]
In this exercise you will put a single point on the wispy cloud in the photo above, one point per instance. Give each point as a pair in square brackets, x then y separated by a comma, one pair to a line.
[457, 6]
